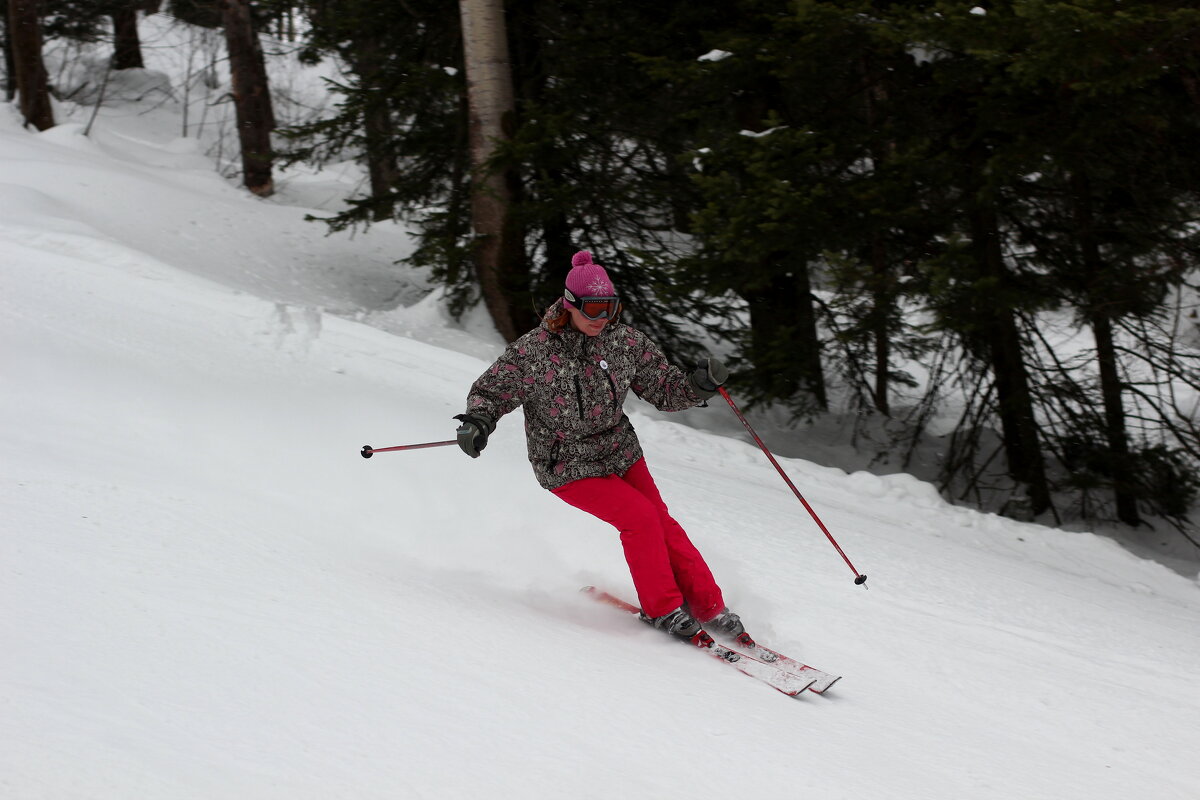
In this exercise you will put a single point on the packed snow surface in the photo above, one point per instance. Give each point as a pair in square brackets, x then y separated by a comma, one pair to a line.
[206, 591]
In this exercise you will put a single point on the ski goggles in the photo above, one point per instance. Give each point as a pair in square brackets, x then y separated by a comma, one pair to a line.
[593, 307]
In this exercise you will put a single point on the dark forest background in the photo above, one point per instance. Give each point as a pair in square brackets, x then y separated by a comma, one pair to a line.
[874, 210]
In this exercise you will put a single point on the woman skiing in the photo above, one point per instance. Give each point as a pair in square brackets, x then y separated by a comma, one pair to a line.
[572, 374]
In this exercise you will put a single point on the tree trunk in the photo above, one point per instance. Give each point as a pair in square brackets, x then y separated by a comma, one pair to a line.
[378, 130]
[10, 67]
[807, 343]
[784, 347]
[1002, 335]
[875, 98]
[381, 164]
[251, 96]
[127, 47]
[881, 308]
[490, 104]
[33, 87]
[1111, 389]
[1124, 486]
[556, 236]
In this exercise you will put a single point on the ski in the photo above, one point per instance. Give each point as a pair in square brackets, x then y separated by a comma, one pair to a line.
[781, 680]
[822, 681]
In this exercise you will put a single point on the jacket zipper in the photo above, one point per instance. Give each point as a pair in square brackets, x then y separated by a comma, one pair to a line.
[579, 396]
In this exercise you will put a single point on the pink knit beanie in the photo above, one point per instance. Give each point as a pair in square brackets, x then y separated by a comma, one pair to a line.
[587, 279]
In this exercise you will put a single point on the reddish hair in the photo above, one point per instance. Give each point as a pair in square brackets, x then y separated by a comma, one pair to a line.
[557, 323]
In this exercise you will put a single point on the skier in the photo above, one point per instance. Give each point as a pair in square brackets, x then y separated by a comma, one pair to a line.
[571, 374]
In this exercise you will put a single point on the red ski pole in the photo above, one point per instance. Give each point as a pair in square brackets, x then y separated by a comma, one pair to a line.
[859, 578]
[368, 451]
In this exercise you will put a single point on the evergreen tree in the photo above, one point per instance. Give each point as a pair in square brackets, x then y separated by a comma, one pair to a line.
[770, 182]
[598, 145]
[835, 187]
[1108, 210]
[1071, 131]
[403, 114]
[980, 293]
[811, 157]
[592, 150]
[400, 95]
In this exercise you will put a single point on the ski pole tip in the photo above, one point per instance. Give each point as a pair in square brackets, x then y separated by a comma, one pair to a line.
[367, 451]
[860, 580]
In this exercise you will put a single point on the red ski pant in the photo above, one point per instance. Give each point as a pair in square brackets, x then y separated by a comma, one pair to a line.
[666, 567]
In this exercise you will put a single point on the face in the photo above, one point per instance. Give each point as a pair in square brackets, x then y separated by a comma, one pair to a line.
[588, 327]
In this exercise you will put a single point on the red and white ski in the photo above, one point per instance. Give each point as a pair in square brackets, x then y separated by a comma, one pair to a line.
[778, 679]
[821, 680]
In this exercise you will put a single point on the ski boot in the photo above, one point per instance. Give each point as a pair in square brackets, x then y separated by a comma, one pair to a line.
[682, 625]
[729, 625]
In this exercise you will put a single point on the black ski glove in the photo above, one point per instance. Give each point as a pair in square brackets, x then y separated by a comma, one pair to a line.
[709, 374]
[473, 433]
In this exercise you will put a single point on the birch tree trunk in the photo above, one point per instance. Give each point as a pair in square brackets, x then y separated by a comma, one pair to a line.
[25, 37]
[489, 102]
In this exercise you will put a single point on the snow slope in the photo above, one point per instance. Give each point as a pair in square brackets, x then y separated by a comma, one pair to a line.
[207, 593]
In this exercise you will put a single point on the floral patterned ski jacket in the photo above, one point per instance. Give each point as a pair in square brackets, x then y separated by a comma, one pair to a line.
[573, 390]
